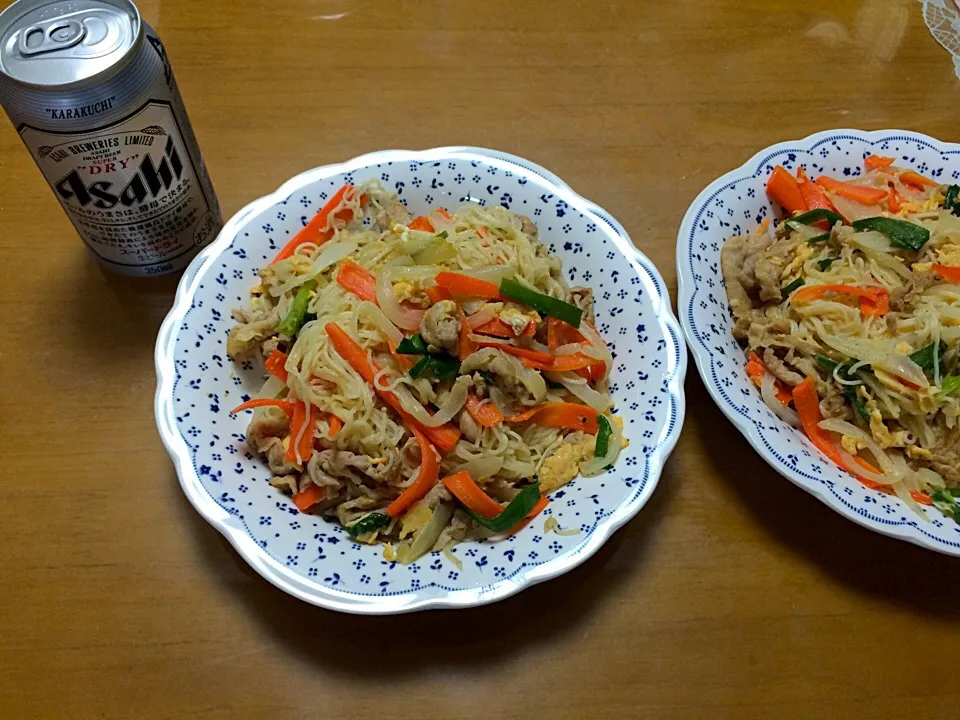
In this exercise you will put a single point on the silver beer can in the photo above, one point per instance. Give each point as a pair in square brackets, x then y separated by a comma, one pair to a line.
[90, 90]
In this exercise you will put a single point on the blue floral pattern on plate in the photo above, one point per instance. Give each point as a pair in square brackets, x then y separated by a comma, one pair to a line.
[737, 203]
[314, 559]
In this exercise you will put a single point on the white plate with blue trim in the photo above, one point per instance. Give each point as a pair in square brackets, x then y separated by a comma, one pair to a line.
[735, 204]
[314, 559]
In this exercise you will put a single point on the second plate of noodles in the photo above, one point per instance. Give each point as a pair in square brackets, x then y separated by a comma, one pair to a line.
[850, 315]
[431, 379]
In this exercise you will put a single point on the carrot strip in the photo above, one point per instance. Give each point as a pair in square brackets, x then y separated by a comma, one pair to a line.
[525, 353]
[783, 188]
[443, 212]
[485, 413]
[591, 372]
[276, 365]
[461, 284]
[296, 426]
[465, 346]
[421, 223]
[436, 294]
[426, 477]
[357, 280]
[308, 498]
[571, 416]
[561, 333]
[469, 493]
[877, 162]
[284, 405]
[573, 361]
[808, 408]
[894, 201]
[756, 370]
[538, 508]
[948, 272]
[444, 437]
[873, 301]
[858, 193]
[498, 328]
[336, 424]
[814, 197]
[916, 180]
[402, 360]
[316, 231]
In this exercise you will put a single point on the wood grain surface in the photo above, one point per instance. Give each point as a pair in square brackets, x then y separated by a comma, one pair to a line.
[732, 595]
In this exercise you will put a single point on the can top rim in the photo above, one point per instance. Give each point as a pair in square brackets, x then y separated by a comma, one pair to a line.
[64, 43]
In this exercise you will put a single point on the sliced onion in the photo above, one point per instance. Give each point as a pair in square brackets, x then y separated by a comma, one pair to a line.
[948, 223]
[414, 272]
[382, 322]
[481, 317]
[845, 428]
[598, 464]
[768, 392]
[489, 340]
[805, 231]
[493, 274]
[406, 318]
[851, 462]
[272, 388]
[482, 467]
[850, 209]
[888, 359]
[428, 535]
[581, 389]
[870, 240]
[570, 349]
[599, 346]
[445, 413]
[330, 255]
[904, 495]
[928, 478]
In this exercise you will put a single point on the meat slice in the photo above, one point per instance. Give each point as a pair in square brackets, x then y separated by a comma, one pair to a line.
[582, 297]
[440, 326]
[251, 329]
[391, 213]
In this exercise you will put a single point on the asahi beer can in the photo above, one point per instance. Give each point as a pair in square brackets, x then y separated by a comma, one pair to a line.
[89, 88]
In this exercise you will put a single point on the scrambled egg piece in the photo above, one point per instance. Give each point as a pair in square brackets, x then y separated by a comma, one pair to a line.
[619, 423]
[909, 207]
[922, 267]
[518, 320]
[300, 264]
[918, 453]
[389, 553]
[879, 431]
[804, 253]
[904, 348]
[949, 254]
[563, 465]
[415, 518]
[850, 444]
[411, 292]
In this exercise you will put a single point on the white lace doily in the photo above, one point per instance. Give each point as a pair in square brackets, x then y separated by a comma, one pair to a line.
[943, 19]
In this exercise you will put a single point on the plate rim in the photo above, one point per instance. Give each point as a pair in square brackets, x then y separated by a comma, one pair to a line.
[423, 598]
[703, 359]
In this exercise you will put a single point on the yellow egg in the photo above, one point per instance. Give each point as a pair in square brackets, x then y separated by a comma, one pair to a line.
[949, 254]
[561, 467]
[415, 518]
[518, 320]
[918, 453]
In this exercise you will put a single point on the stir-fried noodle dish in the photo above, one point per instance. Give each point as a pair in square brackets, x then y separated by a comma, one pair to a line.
[849, 311]
[430, 379]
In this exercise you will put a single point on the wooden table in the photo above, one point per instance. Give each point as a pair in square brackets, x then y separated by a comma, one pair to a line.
[732, 595]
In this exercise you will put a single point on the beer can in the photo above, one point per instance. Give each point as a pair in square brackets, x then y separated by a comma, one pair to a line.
[89, 88]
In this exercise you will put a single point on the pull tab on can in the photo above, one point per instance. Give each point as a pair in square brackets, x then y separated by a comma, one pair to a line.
[54, 35]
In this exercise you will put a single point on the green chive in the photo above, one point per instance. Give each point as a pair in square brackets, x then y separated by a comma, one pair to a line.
[559, 309]
[514, 513]
[815, 216]
[902, 234]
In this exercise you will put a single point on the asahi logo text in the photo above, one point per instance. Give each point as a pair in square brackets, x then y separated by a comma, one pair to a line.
[151, 181]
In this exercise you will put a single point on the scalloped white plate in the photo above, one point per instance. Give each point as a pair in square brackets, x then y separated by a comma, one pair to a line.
[315, 560]
[737, 203]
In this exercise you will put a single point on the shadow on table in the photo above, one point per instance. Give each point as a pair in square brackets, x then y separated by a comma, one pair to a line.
[872, 564]
[405, 644]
